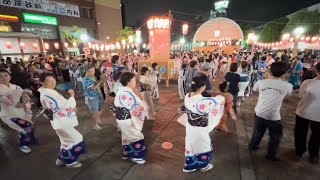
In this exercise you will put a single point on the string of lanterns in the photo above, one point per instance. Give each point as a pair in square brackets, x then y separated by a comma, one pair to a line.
[219, 42]
[286, 38]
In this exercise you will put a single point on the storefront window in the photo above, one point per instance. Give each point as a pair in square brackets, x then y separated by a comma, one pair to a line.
[45, 31]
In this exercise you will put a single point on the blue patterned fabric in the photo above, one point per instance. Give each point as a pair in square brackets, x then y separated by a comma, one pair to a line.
[197, 161]
[69, 156]
[28, 138]
[261, 65]
[134, 150]
[88, 82]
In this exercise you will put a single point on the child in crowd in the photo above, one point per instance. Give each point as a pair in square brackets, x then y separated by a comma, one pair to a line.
[267, 111]
[156, 73]
[181, 81]
[233, 80]
[228, 110]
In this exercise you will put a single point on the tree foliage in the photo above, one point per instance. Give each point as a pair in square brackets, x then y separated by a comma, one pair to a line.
[309, 20]
[245, 27]
[72, 36]
[272, 31]
[125, 33]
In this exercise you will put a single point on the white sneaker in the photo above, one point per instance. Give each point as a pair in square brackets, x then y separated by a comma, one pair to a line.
[138, 160]
[188, 171]
[152, 118]
[97, 127]
[124, 158]
[205, 169]
[74, 165]
[25, 149]
[59, 162]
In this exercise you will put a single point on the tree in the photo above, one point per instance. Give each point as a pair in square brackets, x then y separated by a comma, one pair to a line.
[245, 27]
[125, 33]
[309, 20]
[72, 36]
[272, 31]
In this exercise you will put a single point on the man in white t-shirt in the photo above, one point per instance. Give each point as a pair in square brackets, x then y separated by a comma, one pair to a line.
[267, 111]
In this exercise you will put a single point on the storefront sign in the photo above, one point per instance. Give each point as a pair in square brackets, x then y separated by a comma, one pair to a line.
[39, 19]
[47, 6]
[4, 17]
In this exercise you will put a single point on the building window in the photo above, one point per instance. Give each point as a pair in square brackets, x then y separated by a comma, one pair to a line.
[45, 31]
[86, 12]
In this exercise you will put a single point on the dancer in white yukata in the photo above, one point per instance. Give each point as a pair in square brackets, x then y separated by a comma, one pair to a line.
[156, 73]
[203, 114]
[147, 82]
[63, 122]
[15, 113]
[129, 110]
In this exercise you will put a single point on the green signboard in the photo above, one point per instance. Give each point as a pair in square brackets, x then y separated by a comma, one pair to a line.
[39, 19]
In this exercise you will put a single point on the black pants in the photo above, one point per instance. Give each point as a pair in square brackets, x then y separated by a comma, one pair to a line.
[65, 75]
[275, 133]
[300, 136]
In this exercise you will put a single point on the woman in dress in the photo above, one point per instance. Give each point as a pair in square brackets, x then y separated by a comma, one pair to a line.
[147, 82]
[15, 114]
[203, 115]
[63, 122]
[129, 110]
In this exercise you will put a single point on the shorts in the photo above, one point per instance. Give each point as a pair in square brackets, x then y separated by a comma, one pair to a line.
[95, 104]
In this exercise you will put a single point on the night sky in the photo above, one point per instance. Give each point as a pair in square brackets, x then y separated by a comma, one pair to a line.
[252, 10]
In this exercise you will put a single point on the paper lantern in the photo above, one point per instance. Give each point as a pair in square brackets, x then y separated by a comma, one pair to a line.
[102, 47]
[66, 45]
[291, 39]
[8, 45]
[217, 33]
[56, 45]
[277, 43]
[123, 42]
[97, 46]
[74, 44]
[46, 46]
[314, 39]
[22, 45]
[93, 47]
[185, 28]
[118, 46]
[130, 38]
[285, 37]
[35, 45]
[302, 38]
[272, 44]
[158, 23]
[89, 45]
[308, 39]
[107, 47]
[132, 45]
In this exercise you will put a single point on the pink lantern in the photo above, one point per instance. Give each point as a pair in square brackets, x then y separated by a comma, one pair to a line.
[97, 46]
[302, 38]
[8, 45]
[308, 39]
[56, 45]
[66, 45]
[107, 47]
[22, 45]
[291, 39]
[285, 37]
[34, 45]
[185, 28]
[314, 39]
[89, 44]
[277, 43]
[46, 46]
[158, 23]
[272, 44]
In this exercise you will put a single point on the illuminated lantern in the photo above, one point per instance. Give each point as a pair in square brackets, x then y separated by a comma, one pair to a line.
[97, 46]
[314, 39]
[130, 38]
[89, 44]
[22, 45]
[66, 45]
[302, 38]
[308, 39]
[107, 47]
[128, 46]
[138, 33]
[285, 37]
[118, 45]
[291, 39]
[132, 45]
[158, 23]
[8, 45]
[185, 28]
[56, 45]
[46, 46]
[280, 42]
[102, 47]
[277, 43]
[123, 42]
[272, 44]
[35, 45]
[74, 44]
[93, 47]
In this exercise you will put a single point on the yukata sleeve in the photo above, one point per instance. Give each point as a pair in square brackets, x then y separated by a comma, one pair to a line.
[216, 112]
